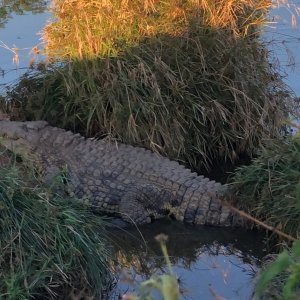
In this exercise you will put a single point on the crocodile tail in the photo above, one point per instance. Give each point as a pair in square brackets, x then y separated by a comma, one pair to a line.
[202, 203]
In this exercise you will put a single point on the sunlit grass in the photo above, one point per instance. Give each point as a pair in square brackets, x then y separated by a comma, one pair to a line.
[87, 29]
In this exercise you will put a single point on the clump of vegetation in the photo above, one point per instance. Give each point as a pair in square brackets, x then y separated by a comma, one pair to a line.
[85, 29]
[49, 247]
[281, 279]
[269, 189]
[188, 79]
[266, 188]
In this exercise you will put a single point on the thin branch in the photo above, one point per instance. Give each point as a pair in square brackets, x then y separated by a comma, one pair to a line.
[258, 222]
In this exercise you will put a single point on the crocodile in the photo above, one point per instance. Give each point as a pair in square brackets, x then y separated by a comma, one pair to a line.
[113, 178]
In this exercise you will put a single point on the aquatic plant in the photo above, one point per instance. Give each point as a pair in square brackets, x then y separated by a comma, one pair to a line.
[49, 246]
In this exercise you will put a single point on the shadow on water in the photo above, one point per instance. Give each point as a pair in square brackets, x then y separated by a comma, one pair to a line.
[208, 261]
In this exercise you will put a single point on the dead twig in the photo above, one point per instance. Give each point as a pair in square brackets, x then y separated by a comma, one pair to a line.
[258, 222]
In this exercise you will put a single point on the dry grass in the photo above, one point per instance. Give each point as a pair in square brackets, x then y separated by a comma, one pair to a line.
[87, 29]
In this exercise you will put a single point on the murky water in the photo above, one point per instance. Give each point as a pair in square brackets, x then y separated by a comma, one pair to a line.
[209, 262]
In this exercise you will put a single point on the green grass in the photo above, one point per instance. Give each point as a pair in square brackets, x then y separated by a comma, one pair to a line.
[281, 277]
[267, 188]
[49, 246]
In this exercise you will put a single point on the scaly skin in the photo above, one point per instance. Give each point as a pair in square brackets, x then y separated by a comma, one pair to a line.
[119, 179]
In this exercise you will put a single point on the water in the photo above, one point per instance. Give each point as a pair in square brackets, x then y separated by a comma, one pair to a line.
[284, 42]
[21, 32]
[206, 260]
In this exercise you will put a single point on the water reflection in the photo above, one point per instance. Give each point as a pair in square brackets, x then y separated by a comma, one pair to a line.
[207, 260]
[283, 39]
[20, 7]
[22, 21]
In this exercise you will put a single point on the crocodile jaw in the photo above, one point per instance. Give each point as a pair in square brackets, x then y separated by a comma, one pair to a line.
[20, 137]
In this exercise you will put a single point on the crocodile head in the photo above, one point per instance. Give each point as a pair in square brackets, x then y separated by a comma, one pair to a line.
[20, 137]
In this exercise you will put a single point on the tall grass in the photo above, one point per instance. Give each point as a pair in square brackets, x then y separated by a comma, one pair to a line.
[195, 99]
[49, 246]
[88, 29]
[188, 79]
[267, 187]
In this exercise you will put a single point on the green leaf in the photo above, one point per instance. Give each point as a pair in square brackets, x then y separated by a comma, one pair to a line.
[296, 248]
[170, 290]
[280, 264]
[289, 286]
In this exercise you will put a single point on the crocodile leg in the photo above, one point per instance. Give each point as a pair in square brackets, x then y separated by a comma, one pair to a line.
[144, 202]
